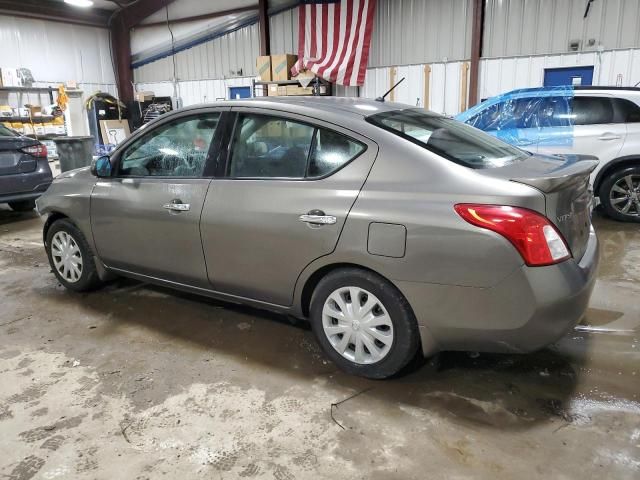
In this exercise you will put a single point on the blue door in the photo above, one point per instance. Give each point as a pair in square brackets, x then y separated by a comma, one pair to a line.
[236, 93]
[576, 76]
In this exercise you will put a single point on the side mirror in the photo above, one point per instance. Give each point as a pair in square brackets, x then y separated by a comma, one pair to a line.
[101, 167]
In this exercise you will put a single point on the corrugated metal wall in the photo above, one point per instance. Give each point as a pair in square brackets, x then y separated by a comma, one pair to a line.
[420, 31]
[196, 91]
[531, 27]
[233, 54]
[616, 67]
[283, 30]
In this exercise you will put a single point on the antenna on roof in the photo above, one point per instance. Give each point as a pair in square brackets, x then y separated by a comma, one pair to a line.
[381, 99]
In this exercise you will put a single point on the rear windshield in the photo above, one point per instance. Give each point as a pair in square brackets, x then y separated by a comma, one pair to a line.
[449, 138]
[7, 132]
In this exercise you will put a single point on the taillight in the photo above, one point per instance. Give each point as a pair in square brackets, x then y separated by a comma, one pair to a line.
[533, 235]
[39, 151]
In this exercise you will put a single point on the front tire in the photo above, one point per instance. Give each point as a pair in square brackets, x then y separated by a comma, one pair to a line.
[620, 194]
[71, 258]
[363, 323]
[23, 205]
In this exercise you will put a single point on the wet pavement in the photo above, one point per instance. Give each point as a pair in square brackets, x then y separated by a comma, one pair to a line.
[136, 382]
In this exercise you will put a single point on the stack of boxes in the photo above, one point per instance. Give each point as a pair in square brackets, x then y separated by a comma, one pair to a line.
[277, 68]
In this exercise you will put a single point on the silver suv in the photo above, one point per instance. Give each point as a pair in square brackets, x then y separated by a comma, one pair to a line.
[599, 121]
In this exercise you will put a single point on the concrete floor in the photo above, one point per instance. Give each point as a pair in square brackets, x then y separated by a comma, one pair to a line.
[137, 382]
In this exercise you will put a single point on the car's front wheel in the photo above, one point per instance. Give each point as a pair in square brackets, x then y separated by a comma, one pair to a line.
[620, 194]
[363, 323]
[23, 205]
[70, 257]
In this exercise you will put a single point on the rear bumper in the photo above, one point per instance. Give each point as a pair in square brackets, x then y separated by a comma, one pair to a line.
[25, 186]
[530, 309]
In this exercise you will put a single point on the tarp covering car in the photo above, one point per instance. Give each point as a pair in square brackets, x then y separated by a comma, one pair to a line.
[526, 117]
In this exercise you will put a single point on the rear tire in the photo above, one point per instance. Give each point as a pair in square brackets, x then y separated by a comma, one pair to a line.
[71, 258]
[23, 205]
[374, 335]
[616, 193]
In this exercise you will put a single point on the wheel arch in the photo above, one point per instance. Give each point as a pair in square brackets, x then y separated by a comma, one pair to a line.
[312, 281]
[53, 217]
[612, 166]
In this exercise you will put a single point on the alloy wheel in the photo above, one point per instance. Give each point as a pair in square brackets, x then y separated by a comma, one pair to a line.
[357, 325]
[67, 257]
[625, 195]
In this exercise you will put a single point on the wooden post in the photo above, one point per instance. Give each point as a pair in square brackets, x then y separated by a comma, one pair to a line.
[464, 69]
[427, 86]
[392, 81]
[263, 20]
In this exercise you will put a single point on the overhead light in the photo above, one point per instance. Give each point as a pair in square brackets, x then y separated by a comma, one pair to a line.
[80, 3]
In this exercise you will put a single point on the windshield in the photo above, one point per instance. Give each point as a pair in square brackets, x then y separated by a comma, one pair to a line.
[449, 138]
[7, 132]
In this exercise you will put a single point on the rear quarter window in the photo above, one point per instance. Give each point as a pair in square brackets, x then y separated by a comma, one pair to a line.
[7, 132]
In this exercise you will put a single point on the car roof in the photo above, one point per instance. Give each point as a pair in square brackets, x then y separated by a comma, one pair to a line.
[359, 107]
[569, 88]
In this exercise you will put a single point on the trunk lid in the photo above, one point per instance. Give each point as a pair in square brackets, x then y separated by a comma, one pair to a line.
[564, 182]
[12, 160]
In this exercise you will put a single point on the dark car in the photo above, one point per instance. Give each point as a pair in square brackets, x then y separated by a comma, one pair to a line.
[24, 170]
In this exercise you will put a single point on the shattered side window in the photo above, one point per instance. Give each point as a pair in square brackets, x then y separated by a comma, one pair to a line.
[175, 149]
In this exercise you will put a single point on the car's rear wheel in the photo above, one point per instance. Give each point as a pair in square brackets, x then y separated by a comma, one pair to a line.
[70, 257]
[363, 323]
[620, 194]
[23, 205]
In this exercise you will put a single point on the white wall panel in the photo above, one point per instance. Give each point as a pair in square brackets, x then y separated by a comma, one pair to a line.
[499, 75]
[531, 27]
[56, 52]
[444, 85]
[193, 92]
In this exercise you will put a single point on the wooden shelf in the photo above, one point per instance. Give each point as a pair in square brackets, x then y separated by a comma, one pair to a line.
[40, 119]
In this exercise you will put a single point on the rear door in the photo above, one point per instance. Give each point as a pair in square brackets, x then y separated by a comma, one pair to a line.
[287, 189]
[146, 218]
[593, 128]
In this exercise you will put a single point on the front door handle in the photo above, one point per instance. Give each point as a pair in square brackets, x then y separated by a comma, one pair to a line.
[177, 206]
[317, 217]
[609, 136]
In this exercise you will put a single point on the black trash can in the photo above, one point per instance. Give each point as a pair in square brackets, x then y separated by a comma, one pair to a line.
[74, 152]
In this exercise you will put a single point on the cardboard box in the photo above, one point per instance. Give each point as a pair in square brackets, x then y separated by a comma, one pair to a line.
[263, 66]
[145, 96]
[281, 66]
[294, 90]
[49, 129]
[9, 77]
[60, 130]
[39, 129]
[277, 90]
[35, 110]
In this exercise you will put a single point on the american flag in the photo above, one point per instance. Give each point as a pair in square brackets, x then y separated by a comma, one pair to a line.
[334, 38]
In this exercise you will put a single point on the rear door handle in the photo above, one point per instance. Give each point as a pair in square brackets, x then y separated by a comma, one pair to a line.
[609, 136]
[317, 217]
[177, 206]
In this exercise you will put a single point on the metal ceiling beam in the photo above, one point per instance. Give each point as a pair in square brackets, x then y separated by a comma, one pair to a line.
[136, 13]
[55, 11]
[206, 16]
[477, 33]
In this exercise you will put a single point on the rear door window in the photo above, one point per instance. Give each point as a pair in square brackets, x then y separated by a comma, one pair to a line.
[591, 110]
[625, 111]
[266, 146]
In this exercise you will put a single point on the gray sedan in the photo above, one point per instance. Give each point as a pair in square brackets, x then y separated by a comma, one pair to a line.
[395, 231]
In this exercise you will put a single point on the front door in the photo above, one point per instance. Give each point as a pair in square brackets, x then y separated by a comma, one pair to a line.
[287, 191]
[145, 219]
